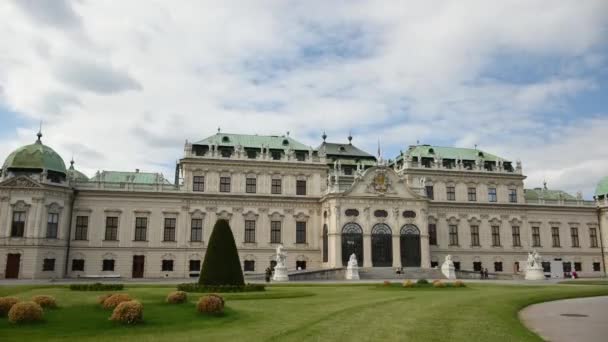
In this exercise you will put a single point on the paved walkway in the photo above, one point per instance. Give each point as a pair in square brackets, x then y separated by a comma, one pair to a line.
[580, 319]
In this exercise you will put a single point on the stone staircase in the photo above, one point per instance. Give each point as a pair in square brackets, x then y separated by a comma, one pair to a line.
[408, 273]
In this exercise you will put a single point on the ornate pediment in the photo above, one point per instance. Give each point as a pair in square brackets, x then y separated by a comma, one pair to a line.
[20, 182]
[381, 181]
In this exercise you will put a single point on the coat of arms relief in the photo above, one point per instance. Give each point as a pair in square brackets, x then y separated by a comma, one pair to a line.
[380, 183]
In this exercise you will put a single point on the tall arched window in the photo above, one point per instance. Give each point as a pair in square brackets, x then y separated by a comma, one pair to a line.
[325, 243]
[352, 242]
[382, 246]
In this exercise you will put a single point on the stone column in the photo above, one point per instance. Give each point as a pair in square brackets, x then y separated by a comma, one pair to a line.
[396, 251]
[425, 252]
[335, 249]
[367, 250]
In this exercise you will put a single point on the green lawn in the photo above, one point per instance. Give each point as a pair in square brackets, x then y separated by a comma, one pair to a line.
[479, 312]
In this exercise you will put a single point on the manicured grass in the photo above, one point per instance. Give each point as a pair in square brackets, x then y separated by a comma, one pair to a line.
[584, 282]
[371, 312]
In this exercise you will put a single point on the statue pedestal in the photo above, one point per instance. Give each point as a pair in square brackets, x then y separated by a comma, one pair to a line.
[448, 270]
[352, 273]
[280, 273]
[535, 273]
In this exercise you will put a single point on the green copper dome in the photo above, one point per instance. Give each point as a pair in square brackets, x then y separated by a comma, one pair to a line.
[602, 187]
[35, 156]
[75, 174]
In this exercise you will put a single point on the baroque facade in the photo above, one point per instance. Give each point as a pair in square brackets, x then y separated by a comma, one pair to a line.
[322, 204]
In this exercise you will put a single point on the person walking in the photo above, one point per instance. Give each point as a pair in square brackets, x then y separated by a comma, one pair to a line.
[268, 274]
[485, 273]
[481, 275]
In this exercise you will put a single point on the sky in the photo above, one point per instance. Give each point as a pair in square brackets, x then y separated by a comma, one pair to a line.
[121, 85]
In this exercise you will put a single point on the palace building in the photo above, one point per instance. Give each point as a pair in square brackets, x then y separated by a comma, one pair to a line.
[321, 203]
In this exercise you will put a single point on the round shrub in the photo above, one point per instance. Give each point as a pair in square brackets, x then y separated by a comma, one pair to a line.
[210, 305]
[6, 303]
[45, 301]
[408, 283]
[115, 299]
[422, 282]
[459, 283]
[386, 283]
[103, 298]
[25, 312]
[438, 284]
[219, 297]
[177, 297]
[130, 312]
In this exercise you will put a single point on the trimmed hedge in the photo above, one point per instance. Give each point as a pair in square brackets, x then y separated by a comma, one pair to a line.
[45, 301]
[221, 265]
[210, 304]
[115, 299]
[96, 287]
[6, 303]
[25, 312]
[177, 297]
[131, 312]
[194, 287]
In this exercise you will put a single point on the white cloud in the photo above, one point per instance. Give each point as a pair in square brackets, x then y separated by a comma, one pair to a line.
[122, 85]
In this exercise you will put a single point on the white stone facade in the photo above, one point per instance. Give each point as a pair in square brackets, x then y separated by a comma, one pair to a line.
[390, 205]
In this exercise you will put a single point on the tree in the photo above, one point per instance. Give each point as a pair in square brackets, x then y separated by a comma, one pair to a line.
[222, 265]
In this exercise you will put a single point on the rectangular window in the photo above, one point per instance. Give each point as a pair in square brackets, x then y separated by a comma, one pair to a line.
[546, 266]
[48, 265]
[453, 235]
[492, 195]
[52, 225]
[535, 236]
[252, 154]
[194, 266]
[111, 228]
[593, 237]
[301, 187]
[169, 233]
[198, 183]
[457, 265]
[82, 225]
[432, 234]
[249, 231]
[196, 230]
[574, 236]
[513, 195]
[141, 226]
[451, 193]
[300, 265]
[78, 265]
[300, 156]
[578, 266]
[516, 236]
[476, 266]
[167, 266]
[224, 184]
[555, 236]
[251, 185]
[275, 187]
[567, 267]
[249, 266]
[18, 224]
[430, 193]
[275, 231]
[276, 155]
[498, 266]
[496, 236]
[300, 232]
[597, 267]
[434, 264]
[474, 235]
[472, 194]
[107, 265]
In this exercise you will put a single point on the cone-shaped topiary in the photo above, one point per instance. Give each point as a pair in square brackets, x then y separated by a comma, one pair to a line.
[222, 265]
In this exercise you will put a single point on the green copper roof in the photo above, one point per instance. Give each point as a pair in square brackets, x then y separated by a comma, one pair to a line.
[449, 153]
[537, 193]
[130, 177]
[347, 150]
[75, 174]
[602, 187]
[253, 141]
[35, 156]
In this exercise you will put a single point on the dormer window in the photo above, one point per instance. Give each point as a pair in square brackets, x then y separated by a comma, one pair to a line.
[480, 154]
[431, 151]
[285, 142]
[225, 139]
[342, 149]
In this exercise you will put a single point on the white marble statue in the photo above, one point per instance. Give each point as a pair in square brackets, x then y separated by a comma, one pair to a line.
[534, 267]
[280, 270]
[447, 268]
[352, 269]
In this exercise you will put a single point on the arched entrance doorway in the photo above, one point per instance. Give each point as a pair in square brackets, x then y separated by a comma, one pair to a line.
[352, 242]
[410, 246]
[382, 246]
